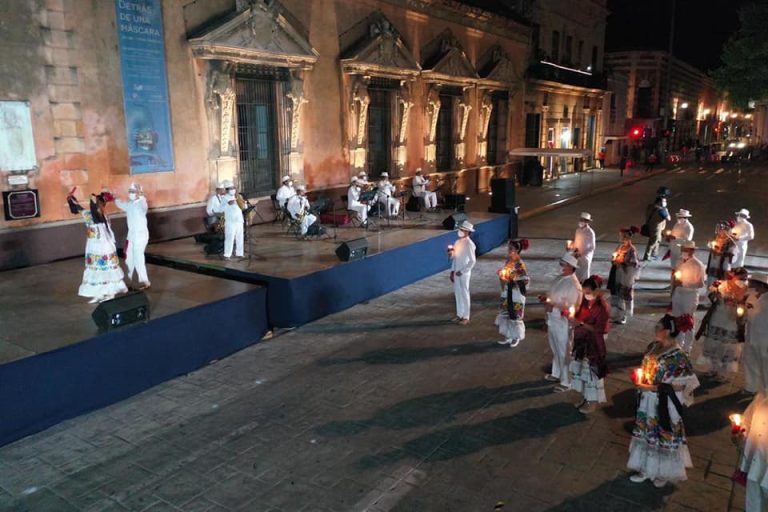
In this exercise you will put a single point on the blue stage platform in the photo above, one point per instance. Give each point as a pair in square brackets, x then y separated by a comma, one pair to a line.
[39, 391]
[296, 300]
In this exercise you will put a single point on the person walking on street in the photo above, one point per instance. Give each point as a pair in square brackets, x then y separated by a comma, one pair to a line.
[583, 246]
[650, 162]
[621, 280]
[601, 158]
[622, 165]
[755, 356]
[564, 296]
[743, 232]
[656, 215]
[658, 450]
[680, 232]
[687, 280]
[513, 278]
[590, 325]
[462, 254]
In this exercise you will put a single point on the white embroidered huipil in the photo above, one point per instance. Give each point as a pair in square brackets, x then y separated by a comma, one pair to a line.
[462, 262]
[742, 232]
[284, 193]
[233, 228]
[685, 297]
[420, 190]
[754, 461]
[216, 204]
[584, 241]
[386, 196]
[298, 205]
[682, 231]
[353, 202]
[138, 236]
[564, 294]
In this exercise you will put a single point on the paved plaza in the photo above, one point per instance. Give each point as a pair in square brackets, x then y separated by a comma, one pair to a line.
[388, 406]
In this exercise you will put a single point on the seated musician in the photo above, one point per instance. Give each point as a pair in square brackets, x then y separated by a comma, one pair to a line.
[420, 190]
[354, 203]
[285, 192]
[298, 207]
[215, 206]
[362, 179]
[386, 195]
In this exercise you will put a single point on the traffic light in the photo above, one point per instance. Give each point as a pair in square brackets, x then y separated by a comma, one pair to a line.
[636, 132]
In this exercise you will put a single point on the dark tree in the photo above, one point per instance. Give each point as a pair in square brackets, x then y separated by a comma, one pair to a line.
[744, 72]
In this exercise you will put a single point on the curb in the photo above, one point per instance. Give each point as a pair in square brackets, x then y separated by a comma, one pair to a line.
[605, 188]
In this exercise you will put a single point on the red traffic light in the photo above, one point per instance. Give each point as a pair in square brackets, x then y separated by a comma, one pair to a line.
[636, 132]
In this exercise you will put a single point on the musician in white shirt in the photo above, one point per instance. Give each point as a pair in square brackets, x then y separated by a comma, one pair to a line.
[285, 192]
[386, 195]
[298, 207]
[362, 179]
[234, 224]
[216, 202]
[420, 190]
[462, 254]
[743, 233]
[135, 209]
[353, 201]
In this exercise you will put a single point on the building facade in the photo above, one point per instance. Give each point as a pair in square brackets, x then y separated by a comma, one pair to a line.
[695, 106]
[566, 87]
[250, 91]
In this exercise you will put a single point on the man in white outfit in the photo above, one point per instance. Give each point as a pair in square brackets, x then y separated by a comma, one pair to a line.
[583, 246]
[234, 224]
[743, 232]
[135, 209]
[353, 201]
[285, 192]
[298, 207]
[362, 178]
[687, 281]
[217, 201]
[420, 190]
[386, 196]
[561, 303]
[755, 356]
[681, 232]
[462, 254]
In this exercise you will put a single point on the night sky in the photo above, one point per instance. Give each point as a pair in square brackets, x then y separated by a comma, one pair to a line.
[701, 27]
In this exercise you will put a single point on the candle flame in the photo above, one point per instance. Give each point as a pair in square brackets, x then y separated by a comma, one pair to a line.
[736, 419]
[615, 254]
[740, 311]
[568, 244]
[572, 311]
[678, 274]
[638, 375]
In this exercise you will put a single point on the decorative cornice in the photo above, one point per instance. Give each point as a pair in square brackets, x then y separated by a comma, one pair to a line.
[382, 53]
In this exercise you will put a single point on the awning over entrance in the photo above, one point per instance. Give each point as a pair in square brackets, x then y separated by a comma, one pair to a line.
[554, 152]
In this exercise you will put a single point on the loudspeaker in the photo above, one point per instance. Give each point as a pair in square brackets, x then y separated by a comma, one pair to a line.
[455, 201]
[454, 220]
[502, 195]
[351, 250]
[121, 311]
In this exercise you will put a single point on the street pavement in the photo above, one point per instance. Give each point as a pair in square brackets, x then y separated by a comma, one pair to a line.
[387, 406]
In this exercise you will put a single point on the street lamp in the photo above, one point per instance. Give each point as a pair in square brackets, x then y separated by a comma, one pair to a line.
[684, 105]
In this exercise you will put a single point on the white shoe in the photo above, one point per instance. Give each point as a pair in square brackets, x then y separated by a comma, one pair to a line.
[514, 343]
[505, 342]
[93, 300]
[659, 483]
[638, 478]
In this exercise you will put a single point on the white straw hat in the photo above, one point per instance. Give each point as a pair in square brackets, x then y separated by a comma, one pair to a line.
[570, 259]
[743, 212]
[688, 244]
[385, 175]
[683, 213]
[286, 178]
[466, 226]
[585, 216]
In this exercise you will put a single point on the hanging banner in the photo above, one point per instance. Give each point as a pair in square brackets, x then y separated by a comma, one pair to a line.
[145, 86]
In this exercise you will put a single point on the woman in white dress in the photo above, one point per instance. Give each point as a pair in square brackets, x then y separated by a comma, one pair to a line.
[103, 278]
[659, 450]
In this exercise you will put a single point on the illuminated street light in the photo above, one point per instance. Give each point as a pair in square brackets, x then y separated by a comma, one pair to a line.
[684, 105]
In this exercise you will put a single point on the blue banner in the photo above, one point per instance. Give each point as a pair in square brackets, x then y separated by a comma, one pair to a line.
[145, 86]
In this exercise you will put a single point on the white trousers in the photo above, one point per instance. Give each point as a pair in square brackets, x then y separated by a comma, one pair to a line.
[739, 254]
[392, 205]
[134, 256]
[685, 301]
[585, 265]
[559, 334]
[461, 291]
[753, 367]
[361, 209]
[307, 221]
[233, 235]
[430, 199]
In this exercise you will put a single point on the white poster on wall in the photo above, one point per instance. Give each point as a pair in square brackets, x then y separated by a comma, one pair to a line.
[17, 148]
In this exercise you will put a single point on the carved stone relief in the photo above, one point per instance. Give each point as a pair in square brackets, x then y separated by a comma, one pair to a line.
[432, 111]
[220, 102]
[358, 121]
[297, 100]
[486, 108]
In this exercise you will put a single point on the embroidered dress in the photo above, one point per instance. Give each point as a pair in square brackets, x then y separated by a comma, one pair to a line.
[621, 281]
[658, 448]
[588, 368]
[721, 350]
[720, 256]
[103, 276]
[513, 278]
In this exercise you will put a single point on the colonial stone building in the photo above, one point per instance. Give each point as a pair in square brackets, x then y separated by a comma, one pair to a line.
[566, 86]
[695, 108]
[255, 90]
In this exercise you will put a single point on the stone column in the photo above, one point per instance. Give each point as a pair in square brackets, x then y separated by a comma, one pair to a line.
[358, 124]
[486, 108]
[296, 101]
[404, 104]
[432, 111]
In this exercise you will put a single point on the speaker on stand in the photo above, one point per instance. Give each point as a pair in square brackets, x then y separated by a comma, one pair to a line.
[503, 200]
